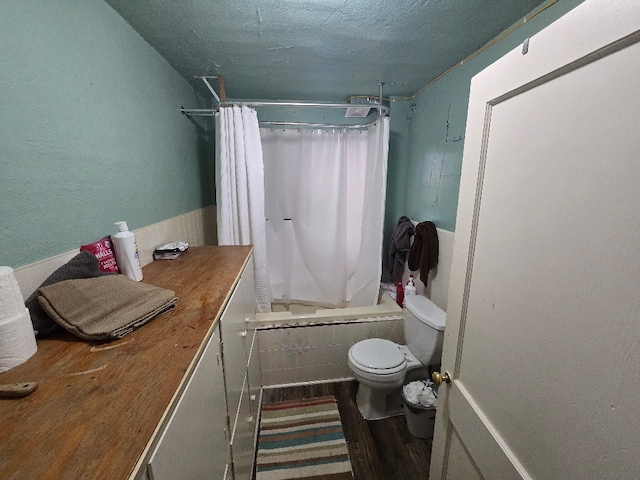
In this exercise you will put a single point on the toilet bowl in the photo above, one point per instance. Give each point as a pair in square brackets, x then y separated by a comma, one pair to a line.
[380, 366]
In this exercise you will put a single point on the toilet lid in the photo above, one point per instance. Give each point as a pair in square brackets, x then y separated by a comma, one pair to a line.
[376, 354]
[426, 311]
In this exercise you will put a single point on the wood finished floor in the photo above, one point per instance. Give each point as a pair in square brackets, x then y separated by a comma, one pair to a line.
[380, 449]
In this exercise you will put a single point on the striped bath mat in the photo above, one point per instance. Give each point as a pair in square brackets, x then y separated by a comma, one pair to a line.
[302, 439]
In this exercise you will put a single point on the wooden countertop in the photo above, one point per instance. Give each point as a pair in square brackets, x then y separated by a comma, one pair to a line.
[98, 404]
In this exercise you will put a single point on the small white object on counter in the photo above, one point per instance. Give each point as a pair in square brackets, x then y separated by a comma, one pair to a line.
[173, 247]
[127, 252]
[17, 341]
[17, 338]
[11, 301]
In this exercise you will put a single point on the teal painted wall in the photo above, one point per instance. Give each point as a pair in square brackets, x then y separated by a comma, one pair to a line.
[90, 131]
[424, 176]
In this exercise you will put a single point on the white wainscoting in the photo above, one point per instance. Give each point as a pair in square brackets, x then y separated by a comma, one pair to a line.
[197, 227]
[314, 353]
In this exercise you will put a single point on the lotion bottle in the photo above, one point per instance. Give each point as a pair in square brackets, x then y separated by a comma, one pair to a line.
[127, 252]
[410, 287]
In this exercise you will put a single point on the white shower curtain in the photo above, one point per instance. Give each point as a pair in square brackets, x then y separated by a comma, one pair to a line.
[240, 191]
[324, 204]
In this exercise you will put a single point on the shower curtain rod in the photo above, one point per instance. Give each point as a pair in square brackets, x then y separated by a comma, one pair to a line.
[210, 112]
[347, 126]
[270, 123]
[252, 103]
[207, 112]
[222, 101]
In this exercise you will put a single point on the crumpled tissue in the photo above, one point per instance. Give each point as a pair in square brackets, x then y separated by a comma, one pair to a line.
[421, 392]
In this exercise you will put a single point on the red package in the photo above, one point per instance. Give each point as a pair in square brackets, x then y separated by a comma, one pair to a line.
[103, 251]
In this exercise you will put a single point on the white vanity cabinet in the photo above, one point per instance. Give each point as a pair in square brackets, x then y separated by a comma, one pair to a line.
[194, 443]
[153, 405]
[213, 428]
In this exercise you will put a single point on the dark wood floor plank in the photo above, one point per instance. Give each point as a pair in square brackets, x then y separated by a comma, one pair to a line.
[365, 458]
[380, 449]
[410, 455]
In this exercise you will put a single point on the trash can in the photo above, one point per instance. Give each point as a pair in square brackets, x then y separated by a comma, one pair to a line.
[420, 419]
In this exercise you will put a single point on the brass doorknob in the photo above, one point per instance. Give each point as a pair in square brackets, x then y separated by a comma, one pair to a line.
[439, 378]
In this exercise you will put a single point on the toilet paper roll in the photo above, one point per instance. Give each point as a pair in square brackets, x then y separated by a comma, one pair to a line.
[11, 301]
[17, 340]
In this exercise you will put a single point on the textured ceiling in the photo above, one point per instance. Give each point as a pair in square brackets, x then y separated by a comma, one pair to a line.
[320, 50]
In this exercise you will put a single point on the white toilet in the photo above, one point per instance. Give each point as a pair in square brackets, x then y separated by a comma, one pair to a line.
[380, 366]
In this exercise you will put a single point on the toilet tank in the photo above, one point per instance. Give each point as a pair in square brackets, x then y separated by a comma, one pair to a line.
[423, 324]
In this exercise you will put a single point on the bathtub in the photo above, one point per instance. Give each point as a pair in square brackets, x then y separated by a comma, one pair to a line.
[386, 309]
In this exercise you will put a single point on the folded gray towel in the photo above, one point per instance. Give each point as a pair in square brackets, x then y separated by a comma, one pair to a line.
[104, 308]
[83, 265]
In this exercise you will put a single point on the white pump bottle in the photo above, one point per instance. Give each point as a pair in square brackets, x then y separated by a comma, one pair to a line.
[410, 287]
[127, 252]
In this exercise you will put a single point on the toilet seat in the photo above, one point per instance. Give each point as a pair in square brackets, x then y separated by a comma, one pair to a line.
[377, 356]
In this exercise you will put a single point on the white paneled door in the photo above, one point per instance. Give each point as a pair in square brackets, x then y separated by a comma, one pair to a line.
[543, 335]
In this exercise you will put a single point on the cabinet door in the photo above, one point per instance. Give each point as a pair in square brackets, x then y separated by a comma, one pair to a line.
[243, 437]
[249, 306]
[234, 337]
[245, 425]
[194, 443]
[253, 357]
[253, 374]
[238, 339]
